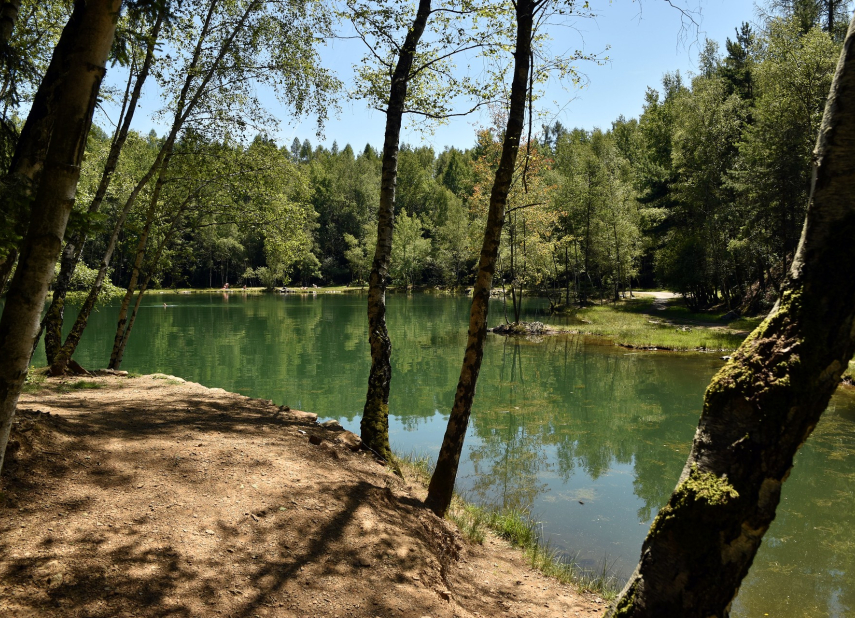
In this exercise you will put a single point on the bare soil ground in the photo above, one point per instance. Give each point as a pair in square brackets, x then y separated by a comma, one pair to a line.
[156, 497]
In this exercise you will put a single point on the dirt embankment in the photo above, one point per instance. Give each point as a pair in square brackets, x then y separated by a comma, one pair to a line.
[158, 497]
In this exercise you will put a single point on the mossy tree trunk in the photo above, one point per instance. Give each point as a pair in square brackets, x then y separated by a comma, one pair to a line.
[79, 58]
[442, 482]
[374, 428]
[762, 406]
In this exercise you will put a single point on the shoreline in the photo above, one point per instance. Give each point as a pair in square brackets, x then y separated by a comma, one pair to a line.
[151, 494]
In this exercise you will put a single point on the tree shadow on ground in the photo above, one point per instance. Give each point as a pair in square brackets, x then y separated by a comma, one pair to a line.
[200, 505]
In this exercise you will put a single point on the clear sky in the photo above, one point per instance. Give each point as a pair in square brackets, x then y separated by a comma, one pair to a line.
[645, 40]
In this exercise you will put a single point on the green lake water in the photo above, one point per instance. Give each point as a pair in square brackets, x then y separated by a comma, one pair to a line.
[589, 436]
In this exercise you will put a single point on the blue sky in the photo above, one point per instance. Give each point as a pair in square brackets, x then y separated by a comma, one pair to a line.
[644, 39]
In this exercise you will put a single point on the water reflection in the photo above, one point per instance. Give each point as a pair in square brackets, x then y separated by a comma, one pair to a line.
[590, 437]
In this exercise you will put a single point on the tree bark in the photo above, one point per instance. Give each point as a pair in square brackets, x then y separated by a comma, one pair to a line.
[74, 246]
[80, 57]
[124, 334]
[765, 402]
[374, 428]
[442, 482]
[8, 16]
[6, 268]
[30, 151]
[185, 105]
[135, 273]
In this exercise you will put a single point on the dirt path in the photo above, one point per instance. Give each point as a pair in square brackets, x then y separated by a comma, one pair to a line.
[158, 497]
[661, 299]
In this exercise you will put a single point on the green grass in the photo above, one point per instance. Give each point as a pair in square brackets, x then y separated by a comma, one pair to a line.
[636, 323]
[84, 384]
[35, 380]
[66, 387]
[519, 529]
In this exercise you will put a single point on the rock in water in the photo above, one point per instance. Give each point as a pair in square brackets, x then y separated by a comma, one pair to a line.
[332, 424]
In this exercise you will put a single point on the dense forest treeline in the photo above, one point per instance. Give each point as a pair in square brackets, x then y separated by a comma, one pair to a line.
[704, 193]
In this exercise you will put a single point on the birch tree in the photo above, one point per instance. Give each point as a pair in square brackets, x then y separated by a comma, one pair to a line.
[209, 88]
[400, 77]
[67, 96]
[763, 405]
[528, 15]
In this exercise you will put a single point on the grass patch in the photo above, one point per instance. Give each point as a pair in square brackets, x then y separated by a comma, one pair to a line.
[471, 520]
[637, 323]
[79, 385]
[748, 324]
[84, 385]
[520, 529]
[35, 380]
[418, 466]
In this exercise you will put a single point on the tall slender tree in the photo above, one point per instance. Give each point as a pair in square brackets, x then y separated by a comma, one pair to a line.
[374, 427]
[442, 482]
[418, 82]
[762, 406]
[52, 323]
[219, 68]
[74, 80]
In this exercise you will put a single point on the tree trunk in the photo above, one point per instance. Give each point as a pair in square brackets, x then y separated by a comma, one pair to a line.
[442, 482]
[567, 274]
[81, 55]
[122, 339]
[31, 148]
[8, 16]
[135, 273]
[52, 322]
[374, 428]
[765, 402]
[6, 268]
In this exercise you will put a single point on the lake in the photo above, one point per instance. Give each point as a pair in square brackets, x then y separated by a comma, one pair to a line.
[589, 437]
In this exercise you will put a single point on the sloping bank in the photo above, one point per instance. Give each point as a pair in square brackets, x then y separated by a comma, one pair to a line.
[152, 496]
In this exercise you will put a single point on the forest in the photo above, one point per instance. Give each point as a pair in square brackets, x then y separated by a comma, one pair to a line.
[698, 194]
[705, 193]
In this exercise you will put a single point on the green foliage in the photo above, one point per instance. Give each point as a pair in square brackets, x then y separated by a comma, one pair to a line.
[83, 280]
[359, 253]
[410, 250]
[35, 381]
[434, 85]
[598, 219]
[772, 174]
[703, 193]
[268, 277]
[23, 62]
[84, 385]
